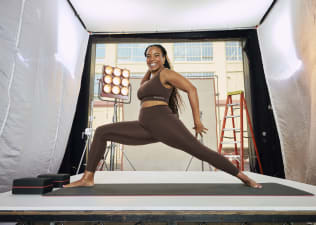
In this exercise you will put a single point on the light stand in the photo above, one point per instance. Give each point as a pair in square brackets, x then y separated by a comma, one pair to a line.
[202, 162]
[88, 133]
[114, 120]
[113, 87]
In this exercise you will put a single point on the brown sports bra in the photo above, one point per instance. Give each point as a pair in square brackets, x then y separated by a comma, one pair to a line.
[154, 90]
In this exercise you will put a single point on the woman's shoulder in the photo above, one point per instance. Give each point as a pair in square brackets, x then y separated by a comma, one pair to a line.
[165, 73]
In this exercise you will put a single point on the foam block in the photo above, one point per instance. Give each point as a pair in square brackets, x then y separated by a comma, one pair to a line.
[32, 185]
[58, 179]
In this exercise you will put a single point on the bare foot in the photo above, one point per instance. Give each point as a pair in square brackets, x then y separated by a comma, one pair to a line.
[87, 180]
[248, 181]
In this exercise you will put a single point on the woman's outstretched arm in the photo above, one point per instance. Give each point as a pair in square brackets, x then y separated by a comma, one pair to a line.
[178, 81]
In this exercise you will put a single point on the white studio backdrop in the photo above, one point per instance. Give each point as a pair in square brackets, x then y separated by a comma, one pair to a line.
[288, 47]
[43, 46]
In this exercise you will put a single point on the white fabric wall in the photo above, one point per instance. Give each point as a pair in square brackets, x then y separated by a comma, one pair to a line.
[288, 46]
[43, 47]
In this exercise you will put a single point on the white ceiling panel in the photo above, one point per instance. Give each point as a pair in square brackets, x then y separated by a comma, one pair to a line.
[143, 16]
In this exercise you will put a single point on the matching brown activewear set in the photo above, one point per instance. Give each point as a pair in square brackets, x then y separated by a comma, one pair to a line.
[155, 124]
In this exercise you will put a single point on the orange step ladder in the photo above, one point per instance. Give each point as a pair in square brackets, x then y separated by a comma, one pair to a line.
[237, 157]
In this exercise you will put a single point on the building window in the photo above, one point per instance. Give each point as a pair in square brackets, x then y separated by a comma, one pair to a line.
[100, 51]
[131, 52]
[137, 75]
[197, 74]
[97, 77]
[197, 51]
[233, 51]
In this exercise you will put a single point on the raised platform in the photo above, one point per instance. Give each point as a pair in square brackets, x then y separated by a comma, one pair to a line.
[170, 209]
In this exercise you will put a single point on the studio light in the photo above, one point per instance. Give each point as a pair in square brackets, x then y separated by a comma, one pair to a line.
[117, 71]
[107, 88]
[115, 82]
[124, 91]
[126, 73]
[125, 82]
[116, 90]
[108, 70]
[108, 79]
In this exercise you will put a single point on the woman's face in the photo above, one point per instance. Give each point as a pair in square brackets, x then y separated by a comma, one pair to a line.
[154, 58]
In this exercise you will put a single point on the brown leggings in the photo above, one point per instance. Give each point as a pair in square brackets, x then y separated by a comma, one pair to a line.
[155, 124]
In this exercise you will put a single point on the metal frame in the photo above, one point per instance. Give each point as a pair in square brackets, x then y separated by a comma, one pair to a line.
[171, 217]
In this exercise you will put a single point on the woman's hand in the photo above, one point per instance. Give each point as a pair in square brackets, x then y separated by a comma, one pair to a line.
[199, 129]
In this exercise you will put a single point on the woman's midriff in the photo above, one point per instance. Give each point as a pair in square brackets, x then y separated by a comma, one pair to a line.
[152, 103]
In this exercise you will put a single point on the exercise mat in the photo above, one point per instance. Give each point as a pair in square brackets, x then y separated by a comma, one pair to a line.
[229, 189]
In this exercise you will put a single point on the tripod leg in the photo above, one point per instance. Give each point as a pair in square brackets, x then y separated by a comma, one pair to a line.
[189, 164]
[129, 161]
[83, 153]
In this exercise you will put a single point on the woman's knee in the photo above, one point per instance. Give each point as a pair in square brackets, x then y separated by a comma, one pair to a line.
[100, 132]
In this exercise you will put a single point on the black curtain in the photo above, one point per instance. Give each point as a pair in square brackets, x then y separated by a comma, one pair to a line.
[76, 143]
[265, 131]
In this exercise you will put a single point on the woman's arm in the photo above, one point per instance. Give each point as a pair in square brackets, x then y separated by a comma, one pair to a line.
[146, 77]
[178, 81]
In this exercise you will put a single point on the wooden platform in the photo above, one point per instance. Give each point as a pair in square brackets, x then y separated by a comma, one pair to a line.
[168, 209]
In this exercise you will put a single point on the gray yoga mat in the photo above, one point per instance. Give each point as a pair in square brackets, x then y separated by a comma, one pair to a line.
[269, 189]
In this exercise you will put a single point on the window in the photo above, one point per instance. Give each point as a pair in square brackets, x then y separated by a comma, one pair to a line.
[100, 51]
[198, 74]
[233, 51]
[131, 52]
[197, 51]
[137, 75]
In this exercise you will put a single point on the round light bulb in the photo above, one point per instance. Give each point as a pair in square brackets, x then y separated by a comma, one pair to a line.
[107, 88]
[107, 79]
[108, 70]
[117, 71]
[116, 80]
[125, 82]
[124, 91]
[116, 90]
[125, 73]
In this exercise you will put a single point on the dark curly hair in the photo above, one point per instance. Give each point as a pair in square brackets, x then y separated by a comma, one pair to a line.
[175, 98]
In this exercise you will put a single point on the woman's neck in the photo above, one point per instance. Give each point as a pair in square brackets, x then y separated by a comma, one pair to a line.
[154, 73]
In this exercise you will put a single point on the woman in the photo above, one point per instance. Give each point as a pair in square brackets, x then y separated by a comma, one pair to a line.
[158, 121]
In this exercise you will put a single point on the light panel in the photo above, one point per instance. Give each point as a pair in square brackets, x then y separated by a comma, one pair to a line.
[115, 82]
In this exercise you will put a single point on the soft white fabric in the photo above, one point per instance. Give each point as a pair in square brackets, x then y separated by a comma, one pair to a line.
[42, 55]
[288, 47]
[143, 16]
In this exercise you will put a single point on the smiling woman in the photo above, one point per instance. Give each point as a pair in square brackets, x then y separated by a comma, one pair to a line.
[158, 122]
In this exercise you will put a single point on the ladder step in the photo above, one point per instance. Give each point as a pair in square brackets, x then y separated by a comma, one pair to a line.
[233, 104]
[232, 129]
[235, 92]
[230, 142]
[233, 116]
[233, 156]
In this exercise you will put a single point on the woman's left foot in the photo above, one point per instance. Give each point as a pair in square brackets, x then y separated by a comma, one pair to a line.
[248, 181]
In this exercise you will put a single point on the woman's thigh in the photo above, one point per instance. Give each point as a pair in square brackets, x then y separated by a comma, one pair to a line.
[127, 132]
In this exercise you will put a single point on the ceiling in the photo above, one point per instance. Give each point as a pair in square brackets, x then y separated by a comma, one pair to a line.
[147, 16]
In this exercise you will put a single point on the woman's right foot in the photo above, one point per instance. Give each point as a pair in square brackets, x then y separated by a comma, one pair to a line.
[248, 181]
[87, 180]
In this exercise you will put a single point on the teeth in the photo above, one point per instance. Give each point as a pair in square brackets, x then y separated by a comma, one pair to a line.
[153, 64]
